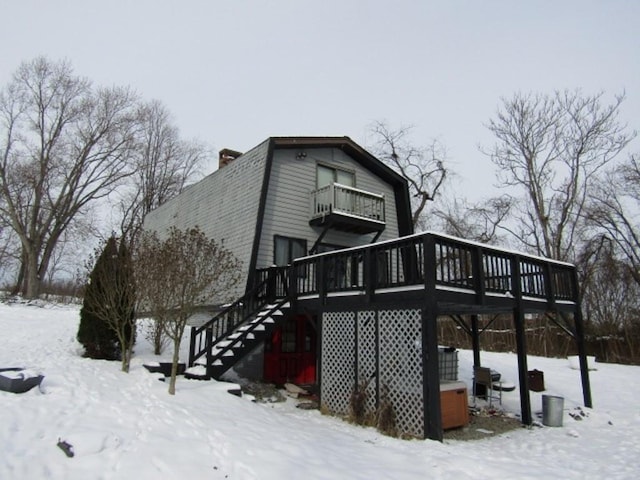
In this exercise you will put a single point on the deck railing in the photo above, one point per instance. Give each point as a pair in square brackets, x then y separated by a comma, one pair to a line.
[337, 198]
[459, 264]
[275, 280]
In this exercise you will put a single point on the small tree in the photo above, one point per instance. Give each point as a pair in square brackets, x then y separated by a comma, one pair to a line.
[176, 275]
[156, 336]
[106, 318]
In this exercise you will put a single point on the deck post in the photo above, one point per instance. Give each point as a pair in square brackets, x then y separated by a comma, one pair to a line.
[369, 275]
[478, 275]
[430, 372]
[319, 320]
[582, 350]
[521, 342]
[475, 340]
[377, 337]
[321, 279]
[582, 355]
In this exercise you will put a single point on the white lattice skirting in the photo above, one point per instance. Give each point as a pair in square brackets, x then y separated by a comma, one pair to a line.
[388, 353]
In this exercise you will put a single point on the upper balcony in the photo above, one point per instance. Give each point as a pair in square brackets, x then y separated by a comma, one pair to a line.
[347, 209]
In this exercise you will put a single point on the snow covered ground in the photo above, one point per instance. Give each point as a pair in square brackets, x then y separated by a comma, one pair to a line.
[126, 426]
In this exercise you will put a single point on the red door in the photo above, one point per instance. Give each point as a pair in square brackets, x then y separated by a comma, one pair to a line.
[290, 353]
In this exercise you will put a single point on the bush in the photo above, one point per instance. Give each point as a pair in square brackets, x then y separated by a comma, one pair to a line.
[94, 333]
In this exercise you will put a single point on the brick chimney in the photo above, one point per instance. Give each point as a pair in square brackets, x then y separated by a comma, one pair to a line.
[226, 156]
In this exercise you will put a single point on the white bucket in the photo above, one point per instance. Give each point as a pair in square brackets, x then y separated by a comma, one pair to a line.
[574, 362]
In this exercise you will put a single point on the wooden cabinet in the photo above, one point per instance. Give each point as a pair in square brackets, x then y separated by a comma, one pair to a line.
[454, 404]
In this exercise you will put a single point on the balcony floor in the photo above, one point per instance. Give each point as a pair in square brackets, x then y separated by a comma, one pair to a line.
[348, 223]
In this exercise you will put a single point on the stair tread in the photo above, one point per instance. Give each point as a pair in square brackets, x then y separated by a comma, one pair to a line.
[242, 339]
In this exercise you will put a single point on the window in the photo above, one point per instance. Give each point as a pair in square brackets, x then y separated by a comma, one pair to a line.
[289, 336]
[327, 175]
[287, 249]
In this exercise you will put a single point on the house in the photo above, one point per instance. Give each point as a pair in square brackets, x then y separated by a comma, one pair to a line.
[337, 289]
[284, 199]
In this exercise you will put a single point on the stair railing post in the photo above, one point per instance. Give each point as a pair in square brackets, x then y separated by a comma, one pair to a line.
[192, 346]
[209, 343]
[321, 279]
[272, 278]
[292, 287]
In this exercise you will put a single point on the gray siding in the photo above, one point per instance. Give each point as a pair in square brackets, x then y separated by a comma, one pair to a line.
[287, 206]
[224, 205]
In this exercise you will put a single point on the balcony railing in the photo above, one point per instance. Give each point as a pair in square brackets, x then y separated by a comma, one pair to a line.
[340, 199]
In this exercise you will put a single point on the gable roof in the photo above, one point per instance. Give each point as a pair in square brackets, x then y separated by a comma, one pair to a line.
[362, 156]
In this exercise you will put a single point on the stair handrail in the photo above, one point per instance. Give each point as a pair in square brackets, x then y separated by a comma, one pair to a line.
[240, 338]
[202, 338]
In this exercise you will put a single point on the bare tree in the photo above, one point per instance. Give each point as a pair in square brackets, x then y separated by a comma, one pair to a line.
[615, 211]
[479, 222]
[9, 251]
[176, 275]
[612, 301]
[63, 144]
[423, 167]
[164, 165]
[551, 147]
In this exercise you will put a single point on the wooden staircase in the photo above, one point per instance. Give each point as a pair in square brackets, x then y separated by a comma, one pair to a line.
[233, 333]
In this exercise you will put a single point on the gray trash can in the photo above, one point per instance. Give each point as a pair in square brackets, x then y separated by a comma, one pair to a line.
[552, 410]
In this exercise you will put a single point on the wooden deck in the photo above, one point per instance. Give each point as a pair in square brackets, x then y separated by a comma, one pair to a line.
[433, 273]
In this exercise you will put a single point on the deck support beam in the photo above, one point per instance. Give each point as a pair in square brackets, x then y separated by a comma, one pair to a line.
[523, 376]
[430, 371]
[521, 342]
[582, 355]
[475, 340]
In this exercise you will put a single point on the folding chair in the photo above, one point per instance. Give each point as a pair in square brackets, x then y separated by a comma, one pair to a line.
[482, 376]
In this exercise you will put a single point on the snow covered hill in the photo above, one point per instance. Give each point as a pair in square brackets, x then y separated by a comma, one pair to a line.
[126, 426]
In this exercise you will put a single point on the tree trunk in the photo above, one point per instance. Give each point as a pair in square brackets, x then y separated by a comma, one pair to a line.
[31, 278]
[20, 280]
[158, 334]
[127, 352]
[174, 366]
[125, 359]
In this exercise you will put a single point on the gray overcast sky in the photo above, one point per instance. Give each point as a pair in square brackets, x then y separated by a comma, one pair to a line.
[236, 72]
